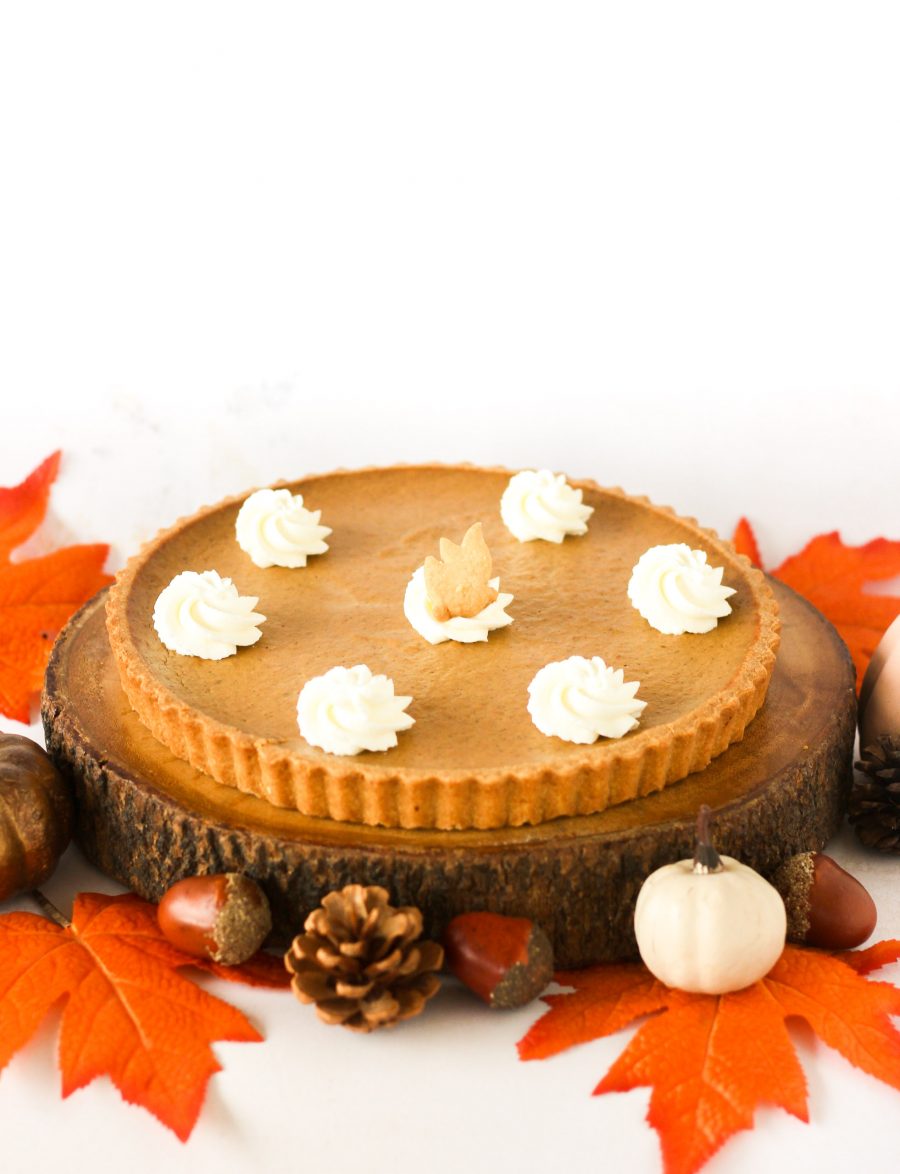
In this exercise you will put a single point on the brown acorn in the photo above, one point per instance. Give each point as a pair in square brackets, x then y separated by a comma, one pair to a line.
[506, 961]
[826, 906]
[224, 917]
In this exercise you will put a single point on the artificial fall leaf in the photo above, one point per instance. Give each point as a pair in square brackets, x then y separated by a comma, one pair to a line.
[744, 541]
[873, 957]
[37, 595]
[458, 584]
[711, 1060]
[605, 999]
[128, 1014]
[832, 576]
[22, 508]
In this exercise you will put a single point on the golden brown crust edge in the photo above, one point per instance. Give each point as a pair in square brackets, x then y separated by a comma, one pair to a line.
[351, 792]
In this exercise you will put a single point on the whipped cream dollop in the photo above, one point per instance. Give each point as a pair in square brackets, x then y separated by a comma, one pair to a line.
[676, 591]
[582, 700]
[464, 629]
[345, 711]
[202, 614]
[541, 504]
[275, 528]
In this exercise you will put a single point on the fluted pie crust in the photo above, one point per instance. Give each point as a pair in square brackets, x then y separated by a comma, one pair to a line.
[473, 759]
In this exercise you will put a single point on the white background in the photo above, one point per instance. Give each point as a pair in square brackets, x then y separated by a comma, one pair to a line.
[658, 245]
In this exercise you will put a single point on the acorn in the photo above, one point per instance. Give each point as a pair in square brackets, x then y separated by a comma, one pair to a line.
[224, 917]
[506, 961]
[826, 906]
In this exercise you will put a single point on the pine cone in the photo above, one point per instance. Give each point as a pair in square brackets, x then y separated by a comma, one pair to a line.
[360, 963]
[875, 799]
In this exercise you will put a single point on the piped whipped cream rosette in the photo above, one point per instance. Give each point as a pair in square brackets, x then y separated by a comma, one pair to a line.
[346, 711]
[581, 700]
[275, 528]
[201, 614]
[676, 591]
[543, 505]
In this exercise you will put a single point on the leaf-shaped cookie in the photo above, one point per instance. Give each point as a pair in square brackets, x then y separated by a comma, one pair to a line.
[458, 584]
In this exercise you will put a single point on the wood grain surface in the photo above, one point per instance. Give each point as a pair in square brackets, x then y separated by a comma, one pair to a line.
[148, 819]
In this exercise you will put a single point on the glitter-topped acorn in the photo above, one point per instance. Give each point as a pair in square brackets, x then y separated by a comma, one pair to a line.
[826, 906]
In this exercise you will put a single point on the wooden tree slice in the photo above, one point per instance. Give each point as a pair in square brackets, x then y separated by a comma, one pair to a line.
[148, 819]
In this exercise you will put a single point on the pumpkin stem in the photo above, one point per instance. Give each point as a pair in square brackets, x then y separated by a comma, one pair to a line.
[50, 909]
[706, 858]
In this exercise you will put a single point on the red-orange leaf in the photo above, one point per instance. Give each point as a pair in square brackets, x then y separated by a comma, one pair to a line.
[833, 577]
[38, 595]
[128, 1014]
[605, 999]
[36, 599]
[843, 1009]
[22, 508]
[744, 541]
[873, 957]
[710, 1061]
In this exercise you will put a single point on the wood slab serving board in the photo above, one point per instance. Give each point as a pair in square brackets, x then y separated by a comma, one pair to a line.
[148, 819]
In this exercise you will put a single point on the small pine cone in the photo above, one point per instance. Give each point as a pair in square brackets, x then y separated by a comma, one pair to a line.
[875, 799]
[360, 962]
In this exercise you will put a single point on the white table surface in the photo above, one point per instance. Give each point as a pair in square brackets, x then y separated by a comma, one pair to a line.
[655, 245]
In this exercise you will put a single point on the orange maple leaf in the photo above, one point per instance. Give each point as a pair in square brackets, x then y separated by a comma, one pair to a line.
[605, 999]
[37, 595]
[22, 508]
[711, 1060]
[128, 1014]
[744, 542]
[832, 576]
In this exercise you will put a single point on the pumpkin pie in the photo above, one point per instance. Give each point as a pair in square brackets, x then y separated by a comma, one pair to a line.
[473, 759]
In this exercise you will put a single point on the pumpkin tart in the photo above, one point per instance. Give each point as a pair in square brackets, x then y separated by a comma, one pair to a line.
[473, 759]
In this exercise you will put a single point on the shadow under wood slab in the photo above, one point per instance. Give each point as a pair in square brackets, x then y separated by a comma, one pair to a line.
[148, 819]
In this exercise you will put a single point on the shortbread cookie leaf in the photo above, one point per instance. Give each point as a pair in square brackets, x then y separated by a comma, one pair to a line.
[457, 584]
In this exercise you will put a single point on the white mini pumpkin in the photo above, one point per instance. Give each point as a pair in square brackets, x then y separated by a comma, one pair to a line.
[709, 925]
